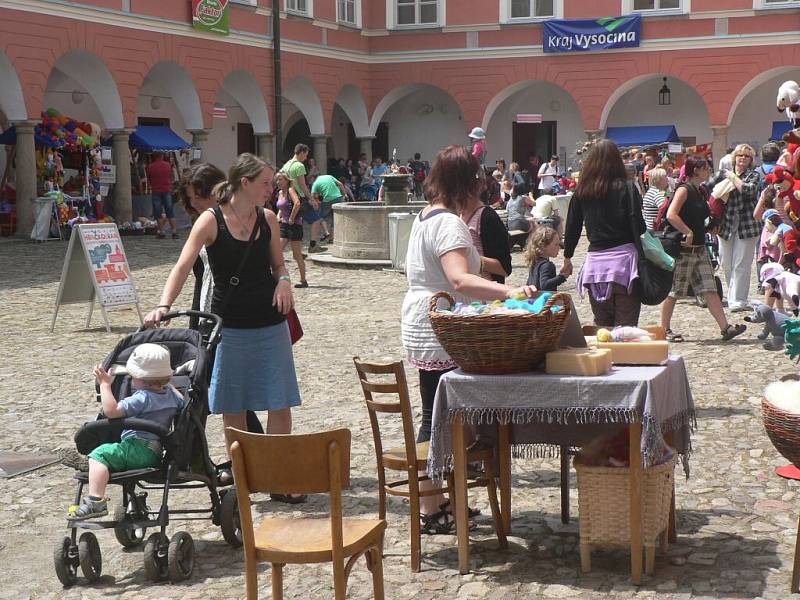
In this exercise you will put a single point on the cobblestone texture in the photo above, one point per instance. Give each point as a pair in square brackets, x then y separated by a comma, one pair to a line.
[736, 519]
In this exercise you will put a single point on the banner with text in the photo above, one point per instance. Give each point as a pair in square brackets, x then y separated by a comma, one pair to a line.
[211, 15]
[580, 35]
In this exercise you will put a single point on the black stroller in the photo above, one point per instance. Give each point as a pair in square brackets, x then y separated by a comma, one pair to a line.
[186, 465]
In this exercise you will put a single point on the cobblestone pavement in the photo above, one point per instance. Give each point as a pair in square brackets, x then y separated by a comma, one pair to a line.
[736, 519]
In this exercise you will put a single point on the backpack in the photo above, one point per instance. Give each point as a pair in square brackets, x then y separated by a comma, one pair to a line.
[419, 171]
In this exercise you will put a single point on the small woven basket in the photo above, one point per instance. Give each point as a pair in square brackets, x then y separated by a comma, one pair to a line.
[783, 429]
[498, 344]
[604, 503]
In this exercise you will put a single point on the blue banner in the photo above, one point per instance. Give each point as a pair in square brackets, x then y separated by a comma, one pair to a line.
[580, 35]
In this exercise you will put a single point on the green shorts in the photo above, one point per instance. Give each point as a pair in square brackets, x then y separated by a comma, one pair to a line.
[131, 453]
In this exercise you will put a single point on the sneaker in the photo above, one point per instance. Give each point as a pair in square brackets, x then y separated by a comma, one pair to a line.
[89, 509]
[317, 248]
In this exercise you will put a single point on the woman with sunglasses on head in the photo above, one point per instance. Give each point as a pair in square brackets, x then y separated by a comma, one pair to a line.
[739, 231]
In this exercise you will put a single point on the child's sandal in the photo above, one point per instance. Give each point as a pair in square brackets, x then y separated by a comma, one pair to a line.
[674, 337]
[731, 331]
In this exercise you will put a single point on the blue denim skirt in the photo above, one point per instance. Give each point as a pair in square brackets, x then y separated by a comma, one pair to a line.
[254, 370]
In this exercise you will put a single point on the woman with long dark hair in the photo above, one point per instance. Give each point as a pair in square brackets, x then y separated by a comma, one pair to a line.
[687, 213]
[603, 204]
[442, 257]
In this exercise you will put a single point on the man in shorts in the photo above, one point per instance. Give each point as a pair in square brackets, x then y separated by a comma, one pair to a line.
[327, 191]
[159, 174]
[309, 208]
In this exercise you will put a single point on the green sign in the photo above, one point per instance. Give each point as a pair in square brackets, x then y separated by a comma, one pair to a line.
[211, 15]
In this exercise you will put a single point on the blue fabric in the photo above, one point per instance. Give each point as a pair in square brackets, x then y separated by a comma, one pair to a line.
[156, 137]
[573, 35]
[778, 129]
[158, 407]
[254, 370]
[9, 138]
[645, 135]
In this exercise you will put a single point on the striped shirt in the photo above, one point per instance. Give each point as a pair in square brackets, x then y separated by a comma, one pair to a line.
[651, 202]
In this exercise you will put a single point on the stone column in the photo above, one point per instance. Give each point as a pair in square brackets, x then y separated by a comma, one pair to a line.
[122, 205]
[200, 140]
[321, 152]
[719, 144]
[366, 147]
[265, 146]
[25, 176]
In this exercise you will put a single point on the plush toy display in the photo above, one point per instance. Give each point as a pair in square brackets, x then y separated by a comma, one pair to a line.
[785, 285]
[785, 186]
[790, 159]
[59, 131]
[788, 102]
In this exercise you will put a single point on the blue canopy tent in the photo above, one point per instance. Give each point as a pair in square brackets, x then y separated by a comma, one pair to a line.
[643, 135]
[156, 137]
[778, 129]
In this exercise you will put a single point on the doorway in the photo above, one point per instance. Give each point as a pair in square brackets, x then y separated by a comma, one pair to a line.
[532, 138]
[245, 139]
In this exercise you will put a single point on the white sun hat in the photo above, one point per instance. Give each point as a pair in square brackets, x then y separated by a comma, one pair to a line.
[477, 133]
[149, 361]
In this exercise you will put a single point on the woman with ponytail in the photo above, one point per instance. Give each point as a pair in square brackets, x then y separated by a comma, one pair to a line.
[254, 367]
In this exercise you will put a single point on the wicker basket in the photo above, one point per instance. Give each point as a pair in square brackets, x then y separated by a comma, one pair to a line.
[497, 344]
[783, 429]
[604, 505]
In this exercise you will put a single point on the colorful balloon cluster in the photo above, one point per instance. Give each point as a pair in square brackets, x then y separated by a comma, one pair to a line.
[59, 131]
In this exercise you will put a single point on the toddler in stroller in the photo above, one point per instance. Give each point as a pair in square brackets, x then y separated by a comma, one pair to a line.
[173, 456]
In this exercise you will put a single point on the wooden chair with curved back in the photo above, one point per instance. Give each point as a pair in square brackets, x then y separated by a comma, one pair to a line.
[412, 457]
[302, 464]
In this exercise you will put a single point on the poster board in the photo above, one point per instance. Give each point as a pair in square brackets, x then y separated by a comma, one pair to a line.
[95, 266]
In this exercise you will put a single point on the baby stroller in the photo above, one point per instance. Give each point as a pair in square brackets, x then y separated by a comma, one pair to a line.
[186, 465]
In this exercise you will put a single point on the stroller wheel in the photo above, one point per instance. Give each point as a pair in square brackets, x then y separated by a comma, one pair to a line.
[127, 535]
[89, 556]
[155, 557]
[181, 557]
[229, 519]
[65, 558]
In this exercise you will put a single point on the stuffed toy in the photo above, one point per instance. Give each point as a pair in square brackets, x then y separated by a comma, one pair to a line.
[791, 255]
[788, 102]
[784, 285]
[784, 184]
[790, 159]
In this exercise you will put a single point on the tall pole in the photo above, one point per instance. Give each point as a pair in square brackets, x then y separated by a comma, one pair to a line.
[276, 70]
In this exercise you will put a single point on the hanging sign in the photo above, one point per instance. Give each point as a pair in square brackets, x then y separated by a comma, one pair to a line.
[580, 35]
[211, 15]
[100, 270]
[675, 148]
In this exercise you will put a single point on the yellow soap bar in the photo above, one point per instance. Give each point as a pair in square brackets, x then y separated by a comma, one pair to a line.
[637, 353]
[578, 361]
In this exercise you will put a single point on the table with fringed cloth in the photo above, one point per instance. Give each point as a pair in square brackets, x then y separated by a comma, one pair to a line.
[539, 413]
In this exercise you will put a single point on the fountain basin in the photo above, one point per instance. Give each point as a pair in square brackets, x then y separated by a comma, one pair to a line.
[361, 229]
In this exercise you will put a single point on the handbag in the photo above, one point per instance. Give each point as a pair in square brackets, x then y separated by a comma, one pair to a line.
[655, 283]
[295, 328]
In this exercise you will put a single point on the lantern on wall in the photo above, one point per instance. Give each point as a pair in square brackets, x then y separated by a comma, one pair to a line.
[664, 94]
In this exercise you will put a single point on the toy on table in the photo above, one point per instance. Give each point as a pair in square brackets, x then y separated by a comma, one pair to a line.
[623, 334]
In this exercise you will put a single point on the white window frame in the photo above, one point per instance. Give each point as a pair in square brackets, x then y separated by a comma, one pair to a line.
[356, 14]
[765, 5]
[245, 2]
[308, 12]
[391, 17]
[684, 8]
[506, 18]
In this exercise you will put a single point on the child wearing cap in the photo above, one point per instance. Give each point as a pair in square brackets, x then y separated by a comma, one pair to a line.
[154, 400]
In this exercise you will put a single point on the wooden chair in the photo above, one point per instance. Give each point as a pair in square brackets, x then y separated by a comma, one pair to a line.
[304, 464]
[412, 457]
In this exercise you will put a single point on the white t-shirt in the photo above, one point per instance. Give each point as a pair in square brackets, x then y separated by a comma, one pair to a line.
[430, 238]
[547, 176]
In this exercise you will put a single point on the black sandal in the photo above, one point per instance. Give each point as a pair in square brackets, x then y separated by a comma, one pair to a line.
[224, 475]
[440, 523]
[731, 331]
[674, 337]
[473, 512]
[289, 498]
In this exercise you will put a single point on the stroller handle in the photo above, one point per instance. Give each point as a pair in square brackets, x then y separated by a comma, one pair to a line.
[213, 337]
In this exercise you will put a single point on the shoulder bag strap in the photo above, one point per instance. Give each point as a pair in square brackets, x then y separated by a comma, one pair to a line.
[234, 280]
[629, 192]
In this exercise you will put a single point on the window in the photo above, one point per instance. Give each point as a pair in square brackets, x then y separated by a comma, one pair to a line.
[297, 6]
[347, 12]
[532, 9]
[646, 7]
[247, 2]
[777, 4]
[417, 12]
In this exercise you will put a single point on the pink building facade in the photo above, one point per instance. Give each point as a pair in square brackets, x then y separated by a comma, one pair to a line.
[415, 74]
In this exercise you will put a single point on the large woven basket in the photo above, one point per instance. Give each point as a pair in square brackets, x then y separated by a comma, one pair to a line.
[604, 503]
[497, 344]
[783, 429]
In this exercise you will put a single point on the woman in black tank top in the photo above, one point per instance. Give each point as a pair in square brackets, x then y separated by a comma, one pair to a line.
[254, 367]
